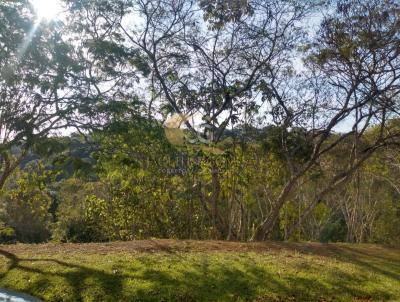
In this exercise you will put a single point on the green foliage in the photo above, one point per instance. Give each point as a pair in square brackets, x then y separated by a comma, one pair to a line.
[129, 178]
[26, 205]
[71, 225]
[142, 187]
[333, 231]
[139, 186]
[7, 234]
[220, 13]
[295, 144]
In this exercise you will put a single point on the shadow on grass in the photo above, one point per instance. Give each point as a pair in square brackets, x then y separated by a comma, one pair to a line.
[201, 280]
[382, 261]
[74, 277]
[372, 261]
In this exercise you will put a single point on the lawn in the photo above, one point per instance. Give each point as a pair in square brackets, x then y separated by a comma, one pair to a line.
[168, 270]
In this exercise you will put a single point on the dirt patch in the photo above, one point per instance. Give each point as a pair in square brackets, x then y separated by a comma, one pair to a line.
[179, 246]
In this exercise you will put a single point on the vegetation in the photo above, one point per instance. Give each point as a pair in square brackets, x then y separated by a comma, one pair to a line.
[231, 120]
[203, 271]
[136, 186]
[243, 147]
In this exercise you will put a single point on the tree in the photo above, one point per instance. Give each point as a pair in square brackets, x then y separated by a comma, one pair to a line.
[200, 59]
[25, 204]
[354, 67]
[204, 63]
[48, 82]
[36, 68]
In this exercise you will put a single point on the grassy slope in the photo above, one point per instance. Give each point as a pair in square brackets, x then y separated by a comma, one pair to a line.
[167, 270]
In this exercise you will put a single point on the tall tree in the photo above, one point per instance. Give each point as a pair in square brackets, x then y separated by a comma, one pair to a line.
[225, 63]
[201, 58]
[205, 62]
[35, 82]
[354, 67]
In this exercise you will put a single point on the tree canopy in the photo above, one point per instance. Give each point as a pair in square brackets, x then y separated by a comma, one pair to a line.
[242, 120]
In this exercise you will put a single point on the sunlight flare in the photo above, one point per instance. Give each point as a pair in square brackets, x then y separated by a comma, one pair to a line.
[46, 9]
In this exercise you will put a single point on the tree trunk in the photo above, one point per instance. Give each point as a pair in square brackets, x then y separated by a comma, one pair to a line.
[265, 228]
[9, 167]
[217, 221]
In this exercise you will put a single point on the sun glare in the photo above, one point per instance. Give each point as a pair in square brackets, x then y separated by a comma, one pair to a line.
[46, 9]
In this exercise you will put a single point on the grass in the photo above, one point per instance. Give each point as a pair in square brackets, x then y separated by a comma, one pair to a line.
[167, 270]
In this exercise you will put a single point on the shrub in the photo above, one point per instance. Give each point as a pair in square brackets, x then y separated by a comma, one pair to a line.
[7, 234]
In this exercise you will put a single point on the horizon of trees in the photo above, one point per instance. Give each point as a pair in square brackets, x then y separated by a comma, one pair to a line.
[198, 121]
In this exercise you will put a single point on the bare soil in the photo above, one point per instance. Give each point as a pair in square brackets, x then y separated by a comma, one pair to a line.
[181, 246]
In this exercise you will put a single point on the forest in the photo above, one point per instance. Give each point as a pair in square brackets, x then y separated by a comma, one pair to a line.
[241, 120]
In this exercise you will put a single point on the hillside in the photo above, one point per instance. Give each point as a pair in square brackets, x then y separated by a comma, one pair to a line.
[168, 270]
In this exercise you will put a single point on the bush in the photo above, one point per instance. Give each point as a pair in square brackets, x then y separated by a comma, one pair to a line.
[78, 230]
[72, 224]
[7, 234]
[333, 232]
[25, 208]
